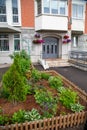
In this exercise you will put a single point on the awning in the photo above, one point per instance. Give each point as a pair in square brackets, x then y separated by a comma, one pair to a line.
[5, 28]
[77, 32]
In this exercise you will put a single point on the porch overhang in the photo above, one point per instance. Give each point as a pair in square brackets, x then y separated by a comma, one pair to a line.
[77, 32]
[5, 28]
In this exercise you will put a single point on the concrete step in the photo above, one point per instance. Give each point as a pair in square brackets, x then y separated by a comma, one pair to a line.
[57, 62]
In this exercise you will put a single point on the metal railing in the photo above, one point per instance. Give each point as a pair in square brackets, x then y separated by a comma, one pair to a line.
[78, 58]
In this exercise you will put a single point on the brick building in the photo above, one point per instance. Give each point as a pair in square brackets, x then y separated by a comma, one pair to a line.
[24, 24]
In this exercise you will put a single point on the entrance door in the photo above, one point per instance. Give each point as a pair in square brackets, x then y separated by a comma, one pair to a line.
[50, 48]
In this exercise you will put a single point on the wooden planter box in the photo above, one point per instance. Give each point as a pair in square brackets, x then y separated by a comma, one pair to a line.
[55, 123]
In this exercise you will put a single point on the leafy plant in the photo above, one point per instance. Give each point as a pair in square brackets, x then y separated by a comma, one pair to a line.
[36, 75]
[55, 82]
[47, 114]
[3, 119]
[32, 115]
[18, 116]
[45, 75]
[77, 107]
[68, 97]
[46, 100]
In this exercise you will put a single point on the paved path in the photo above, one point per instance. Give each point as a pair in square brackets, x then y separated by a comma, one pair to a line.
[77, 76]
[2, 71]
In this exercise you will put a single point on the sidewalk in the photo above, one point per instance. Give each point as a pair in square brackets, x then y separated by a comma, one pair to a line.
[4, 65]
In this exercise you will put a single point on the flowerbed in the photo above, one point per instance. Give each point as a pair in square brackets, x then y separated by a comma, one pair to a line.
[38, 95]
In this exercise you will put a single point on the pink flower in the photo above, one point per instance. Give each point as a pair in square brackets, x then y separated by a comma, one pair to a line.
[38, 41]
[37, 35]
[66, 37]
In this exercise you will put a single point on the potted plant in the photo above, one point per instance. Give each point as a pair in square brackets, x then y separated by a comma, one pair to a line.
[37, 39]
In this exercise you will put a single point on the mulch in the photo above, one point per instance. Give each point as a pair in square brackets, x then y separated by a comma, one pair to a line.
[77, 76]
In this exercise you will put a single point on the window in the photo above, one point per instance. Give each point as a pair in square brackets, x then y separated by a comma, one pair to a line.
[3, 11]
[39, 7]
[46, 6]
[56, 7]
[16, 42]
[77, 11]
[62, 6]
[15, 11]
[4, 42]
[75, 41]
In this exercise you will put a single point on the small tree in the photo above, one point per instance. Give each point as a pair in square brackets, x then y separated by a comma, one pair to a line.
[14, 85]
[22, 61]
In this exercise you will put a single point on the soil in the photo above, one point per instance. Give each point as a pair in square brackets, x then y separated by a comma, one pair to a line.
[9, 108]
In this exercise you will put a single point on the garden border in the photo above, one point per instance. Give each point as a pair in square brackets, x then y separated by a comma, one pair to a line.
[68, 83]
[54, 123]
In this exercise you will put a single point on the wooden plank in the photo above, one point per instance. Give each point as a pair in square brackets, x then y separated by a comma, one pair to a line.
[64, 121]
[52, 126]
[57, 124]
[60, 121]
[40, 123]
[75, 118]
[78, 117]
[26, 126]
[6, 127]
[16, 126]
[68, 120]
[35, 125]
[21, 126]
[48, 124]
[12, 127]
[72, 120]
[31, 126]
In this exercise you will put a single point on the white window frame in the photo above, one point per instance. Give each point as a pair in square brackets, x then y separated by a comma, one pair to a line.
[3, 14]
[2, 39]
[50, 13]
[75, 41]
[17, 38]
[77, 17]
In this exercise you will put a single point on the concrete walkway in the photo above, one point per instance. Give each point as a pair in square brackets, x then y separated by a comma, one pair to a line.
[75, 75]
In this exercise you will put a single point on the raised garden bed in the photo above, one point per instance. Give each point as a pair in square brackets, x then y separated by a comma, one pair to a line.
[69, 118]
[51, 101]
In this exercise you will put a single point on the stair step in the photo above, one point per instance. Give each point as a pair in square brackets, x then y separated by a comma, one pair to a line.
[57, 62]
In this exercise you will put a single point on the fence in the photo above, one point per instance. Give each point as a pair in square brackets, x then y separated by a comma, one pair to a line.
[54, 123]
[78, 59]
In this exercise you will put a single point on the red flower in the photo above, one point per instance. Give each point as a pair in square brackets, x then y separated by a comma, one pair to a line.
[66, 37]
[37, 41]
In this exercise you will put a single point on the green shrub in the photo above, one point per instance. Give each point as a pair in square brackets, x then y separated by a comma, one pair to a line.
[55, 82]
[22, 116]
[22, 61]
[77, 107]
[47, 114]
[46, 100]
[18, 116]
[45, 75]
[36, 75]
[4, 120]
[68, 97]
[14, 85]
[32, 115]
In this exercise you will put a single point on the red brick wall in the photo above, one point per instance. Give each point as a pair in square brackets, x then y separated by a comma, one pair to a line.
[85, 30]
[27, 13]
[69, 13]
